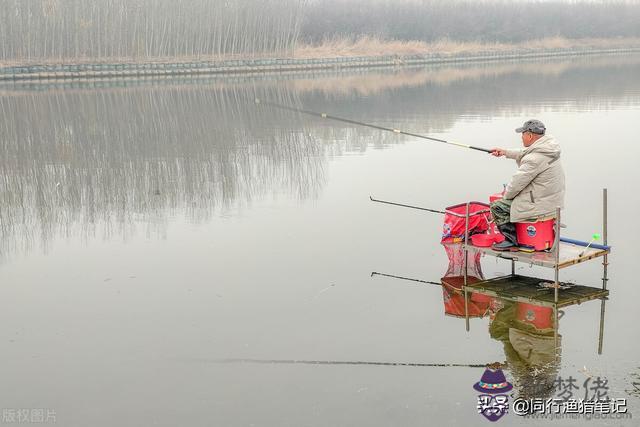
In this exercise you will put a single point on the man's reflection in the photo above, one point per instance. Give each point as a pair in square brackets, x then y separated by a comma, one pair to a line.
[531, 347]
[527, 331]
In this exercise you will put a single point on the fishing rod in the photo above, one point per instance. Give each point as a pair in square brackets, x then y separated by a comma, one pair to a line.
[369, 125]
[406, 206]
[483, 211]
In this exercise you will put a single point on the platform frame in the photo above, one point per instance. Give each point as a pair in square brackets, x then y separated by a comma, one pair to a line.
[499, 287]
[552, 259]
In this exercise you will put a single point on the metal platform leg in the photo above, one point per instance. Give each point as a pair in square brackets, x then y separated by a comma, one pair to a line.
[557, 263]
[466, 260]
[466, 243]
[601, 335]
[513, 267]
[605, 258]
[556, 327]
[466, 310]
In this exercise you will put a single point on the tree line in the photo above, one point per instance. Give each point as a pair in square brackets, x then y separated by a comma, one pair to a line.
[469, 20]
[60, 29]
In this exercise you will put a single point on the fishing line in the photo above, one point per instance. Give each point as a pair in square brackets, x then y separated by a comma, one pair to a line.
[393, 276]
[348, 362]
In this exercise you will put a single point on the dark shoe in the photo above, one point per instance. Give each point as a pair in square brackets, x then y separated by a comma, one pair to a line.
[506, 245]
[508, 230]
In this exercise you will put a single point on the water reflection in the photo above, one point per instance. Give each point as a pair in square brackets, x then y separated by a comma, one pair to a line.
[635, 384]
[102, 161]
[102, 158]
[527, 329]
[531, 343]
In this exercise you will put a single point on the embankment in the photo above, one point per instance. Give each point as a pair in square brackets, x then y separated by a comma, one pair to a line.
[88, 70]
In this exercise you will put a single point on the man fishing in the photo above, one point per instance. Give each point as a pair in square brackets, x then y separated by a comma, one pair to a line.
[536, 189]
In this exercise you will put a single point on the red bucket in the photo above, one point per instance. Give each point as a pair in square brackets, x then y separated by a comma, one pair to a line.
[539, 235]
[535, 315]
[484, 240]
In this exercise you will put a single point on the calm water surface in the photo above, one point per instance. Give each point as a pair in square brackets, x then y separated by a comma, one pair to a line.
[151, 230]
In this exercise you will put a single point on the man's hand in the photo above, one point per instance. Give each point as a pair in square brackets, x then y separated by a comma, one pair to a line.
[498, 152]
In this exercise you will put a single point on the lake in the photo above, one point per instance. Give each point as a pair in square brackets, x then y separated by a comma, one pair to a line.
[169, 248]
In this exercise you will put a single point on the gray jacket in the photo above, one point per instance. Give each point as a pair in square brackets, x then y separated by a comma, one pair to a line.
[537, 189]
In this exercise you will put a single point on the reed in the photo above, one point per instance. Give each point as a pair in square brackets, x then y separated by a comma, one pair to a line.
[376, 46]
[132, 30]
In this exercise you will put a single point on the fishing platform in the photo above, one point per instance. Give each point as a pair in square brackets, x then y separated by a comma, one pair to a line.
[550, 293]
[563, 253]
[465, 222]
[570, 254]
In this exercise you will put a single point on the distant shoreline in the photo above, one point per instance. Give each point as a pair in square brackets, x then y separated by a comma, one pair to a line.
[157, 68]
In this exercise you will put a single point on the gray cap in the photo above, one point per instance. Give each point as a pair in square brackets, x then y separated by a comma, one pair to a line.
[534, 126]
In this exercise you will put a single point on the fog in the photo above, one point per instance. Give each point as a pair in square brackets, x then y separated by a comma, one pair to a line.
[464, 20]
[35, 31]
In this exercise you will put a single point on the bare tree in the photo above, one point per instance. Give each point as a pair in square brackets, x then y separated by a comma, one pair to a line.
[67, 30]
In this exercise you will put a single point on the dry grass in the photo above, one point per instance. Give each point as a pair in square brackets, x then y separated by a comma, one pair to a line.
[372, 46]
[363, 46]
